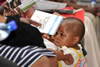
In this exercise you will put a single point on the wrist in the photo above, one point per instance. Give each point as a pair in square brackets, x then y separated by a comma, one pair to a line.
[2, 19]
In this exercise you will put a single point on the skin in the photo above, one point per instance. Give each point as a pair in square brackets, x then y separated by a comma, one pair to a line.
[2, 18]
[68, 59]
[65, 37]
[45, 62]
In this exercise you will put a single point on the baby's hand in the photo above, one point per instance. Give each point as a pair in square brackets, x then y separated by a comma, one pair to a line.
[9, 11]
[48, 37]
[68, 59]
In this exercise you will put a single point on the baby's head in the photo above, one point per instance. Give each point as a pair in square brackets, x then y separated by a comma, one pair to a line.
[70, 32]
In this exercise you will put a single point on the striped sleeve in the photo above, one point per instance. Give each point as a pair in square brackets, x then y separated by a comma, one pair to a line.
[24, 56]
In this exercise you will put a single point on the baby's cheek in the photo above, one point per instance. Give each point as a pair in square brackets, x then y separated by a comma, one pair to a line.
[64, 40]
[62, 43]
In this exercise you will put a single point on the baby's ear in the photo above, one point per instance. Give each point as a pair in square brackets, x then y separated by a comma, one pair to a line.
[76, 40]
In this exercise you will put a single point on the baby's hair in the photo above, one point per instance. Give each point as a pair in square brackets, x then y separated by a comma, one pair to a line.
[76, 26]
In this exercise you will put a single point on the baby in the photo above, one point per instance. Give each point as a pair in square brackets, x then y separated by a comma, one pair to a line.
[67, 40]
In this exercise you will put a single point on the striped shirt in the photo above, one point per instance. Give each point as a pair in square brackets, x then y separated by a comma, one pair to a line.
[24, 56]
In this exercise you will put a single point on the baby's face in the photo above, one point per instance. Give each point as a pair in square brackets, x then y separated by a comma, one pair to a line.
[63, 37]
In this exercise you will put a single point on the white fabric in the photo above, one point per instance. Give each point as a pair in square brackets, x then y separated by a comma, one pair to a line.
[91, 44]
[74, 55]
[66, 50]
[49, 44]
[98, 29]
[92, 18]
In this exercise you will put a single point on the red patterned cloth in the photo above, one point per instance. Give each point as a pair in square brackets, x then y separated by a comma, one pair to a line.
[2, 2]
[80, 14]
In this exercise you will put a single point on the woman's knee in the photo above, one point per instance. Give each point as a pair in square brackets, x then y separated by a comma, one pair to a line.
[53, 61]
[42, 62]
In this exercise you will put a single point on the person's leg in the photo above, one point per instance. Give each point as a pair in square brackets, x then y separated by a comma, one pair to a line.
[42, 62]
[53, 61]
[46, 62]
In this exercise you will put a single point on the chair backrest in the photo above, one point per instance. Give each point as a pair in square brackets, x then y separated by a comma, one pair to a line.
[91, 44]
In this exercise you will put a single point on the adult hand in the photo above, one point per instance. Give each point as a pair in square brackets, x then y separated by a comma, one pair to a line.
[2, 19]
[25, 16]
[12, 12]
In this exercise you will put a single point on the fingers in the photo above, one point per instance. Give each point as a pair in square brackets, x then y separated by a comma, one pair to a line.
[34, 23]
[46, 36]
[12, 12]
[6, 6]
[21, 13]
[5, 13]
[6, 10]
[24, 20]
[9, 11]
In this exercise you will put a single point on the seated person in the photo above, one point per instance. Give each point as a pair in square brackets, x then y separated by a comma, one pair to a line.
[30, 35]
[67, 40]
[73, 3]
[25, 46]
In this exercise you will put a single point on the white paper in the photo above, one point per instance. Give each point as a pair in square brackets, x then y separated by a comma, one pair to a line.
[49, 22]
[25, 4]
